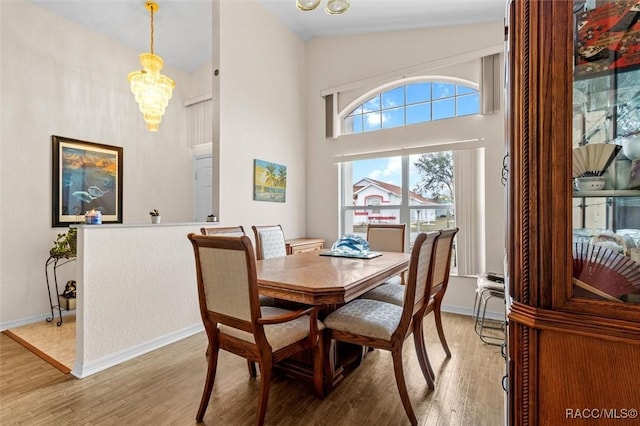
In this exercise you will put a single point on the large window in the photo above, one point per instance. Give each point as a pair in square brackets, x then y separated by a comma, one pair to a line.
[410, 104]
[413, 189]
[435, 185]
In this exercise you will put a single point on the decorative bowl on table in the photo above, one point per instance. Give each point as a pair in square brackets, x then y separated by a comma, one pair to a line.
[591, 183]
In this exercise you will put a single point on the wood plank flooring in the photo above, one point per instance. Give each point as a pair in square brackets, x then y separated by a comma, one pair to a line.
[164, 388]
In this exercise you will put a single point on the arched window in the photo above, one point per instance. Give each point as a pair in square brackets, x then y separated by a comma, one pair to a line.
[412, 103]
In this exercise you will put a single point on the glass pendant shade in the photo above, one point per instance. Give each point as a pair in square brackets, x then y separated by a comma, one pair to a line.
[336, 7]
[307, 5]
[151, 89]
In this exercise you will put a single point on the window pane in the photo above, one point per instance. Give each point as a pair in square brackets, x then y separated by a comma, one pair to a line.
[371, 121]
[431, 178]
[418, 92]
[393, 118]
[358, 110]
[377, 178]
[424, 101]
[464, 90]
[443, 90]
[419, 113]
[469, 104]
[373, 194]
[372, 104]
[352, 124]
[444, 109]
[431, 200]
[393, 98]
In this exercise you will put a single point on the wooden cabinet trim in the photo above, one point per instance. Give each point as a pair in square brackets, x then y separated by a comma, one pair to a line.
[568, 322]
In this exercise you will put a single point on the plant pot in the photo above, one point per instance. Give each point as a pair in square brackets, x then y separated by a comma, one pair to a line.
[155, 219]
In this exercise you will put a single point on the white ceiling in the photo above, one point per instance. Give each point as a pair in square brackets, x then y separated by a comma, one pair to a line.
[183, 27]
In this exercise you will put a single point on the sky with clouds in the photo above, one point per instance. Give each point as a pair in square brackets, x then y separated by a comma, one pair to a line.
[388, 170]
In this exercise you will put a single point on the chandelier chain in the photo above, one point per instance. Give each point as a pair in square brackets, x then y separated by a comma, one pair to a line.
[151, 9]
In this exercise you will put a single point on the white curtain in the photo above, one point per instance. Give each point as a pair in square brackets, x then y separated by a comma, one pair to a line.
[470, 213]
[200, 123]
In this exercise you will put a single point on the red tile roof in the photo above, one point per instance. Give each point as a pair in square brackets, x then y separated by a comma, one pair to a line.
[394, 189]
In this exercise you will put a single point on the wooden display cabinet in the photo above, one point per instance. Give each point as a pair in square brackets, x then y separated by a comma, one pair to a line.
[572, 359]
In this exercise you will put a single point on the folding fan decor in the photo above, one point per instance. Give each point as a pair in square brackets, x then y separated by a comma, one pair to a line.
[593, 159]
[605, 272]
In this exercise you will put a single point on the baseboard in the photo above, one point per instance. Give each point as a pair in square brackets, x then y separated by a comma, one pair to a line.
[31, 320]
[82, 370]
[463, 310]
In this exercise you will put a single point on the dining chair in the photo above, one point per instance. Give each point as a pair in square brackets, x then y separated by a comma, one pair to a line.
[270, 241]
[235, 322]
[386, 326]
[227, 231]
[237, 231]
[387, 237]
[394, 293]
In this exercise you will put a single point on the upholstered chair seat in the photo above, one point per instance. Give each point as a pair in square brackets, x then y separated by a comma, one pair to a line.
[389, 292]
[365, 317]
[278, 335]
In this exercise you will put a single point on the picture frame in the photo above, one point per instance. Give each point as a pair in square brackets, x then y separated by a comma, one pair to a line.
[269, 181]
[86, 176]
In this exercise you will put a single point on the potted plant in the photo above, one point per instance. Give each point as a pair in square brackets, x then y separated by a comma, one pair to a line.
[155, 216]
[64, 247]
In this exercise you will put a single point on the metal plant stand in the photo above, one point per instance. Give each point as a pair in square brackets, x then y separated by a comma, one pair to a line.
[55, 263]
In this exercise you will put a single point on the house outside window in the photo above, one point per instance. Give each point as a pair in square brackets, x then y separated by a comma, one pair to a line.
[421, 209]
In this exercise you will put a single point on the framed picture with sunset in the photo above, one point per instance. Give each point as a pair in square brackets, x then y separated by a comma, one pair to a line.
[87, 176]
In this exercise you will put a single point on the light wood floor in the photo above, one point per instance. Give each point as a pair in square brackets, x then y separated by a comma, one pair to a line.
[164, 388]
[56, 345]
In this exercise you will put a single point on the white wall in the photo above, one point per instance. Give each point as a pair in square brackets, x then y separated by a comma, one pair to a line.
[141, 296]
[262, 115]
[58, 78]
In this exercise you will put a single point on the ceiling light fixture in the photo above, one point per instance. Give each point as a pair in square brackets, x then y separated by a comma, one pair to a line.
[151, 89]
[334, 7]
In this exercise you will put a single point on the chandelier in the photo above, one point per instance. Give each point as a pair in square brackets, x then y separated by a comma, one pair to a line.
[333, 7]
[151, 89]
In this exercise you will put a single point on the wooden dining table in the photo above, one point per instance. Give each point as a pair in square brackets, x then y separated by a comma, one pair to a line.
[313, 279]
[327, 281]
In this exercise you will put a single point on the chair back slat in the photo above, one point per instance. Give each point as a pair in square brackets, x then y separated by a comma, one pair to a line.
[420, 273]
[270, 242]
[226, 285]
[227, 279]
[442, 260]
[386, 237]
[228, 231]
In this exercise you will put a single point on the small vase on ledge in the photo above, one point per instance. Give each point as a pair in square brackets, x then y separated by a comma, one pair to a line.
[155, 219]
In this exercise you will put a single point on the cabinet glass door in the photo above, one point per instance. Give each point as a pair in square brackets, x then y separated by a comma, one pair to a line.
[606, 150]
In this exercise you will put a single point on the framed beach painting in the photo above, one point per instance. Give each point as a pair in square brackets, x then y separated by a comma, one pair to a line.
[269, 181]
[86, 176]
